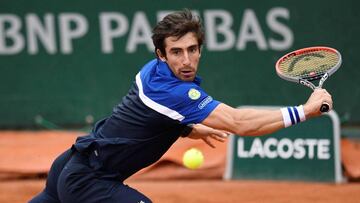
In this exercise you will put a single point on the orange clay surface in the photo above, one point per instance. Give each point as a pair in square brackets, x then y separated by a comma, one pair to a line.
[27, 155]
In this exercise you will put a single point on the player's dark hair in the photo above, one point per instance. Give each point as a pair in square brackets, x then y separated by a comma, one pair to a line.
[177, 24]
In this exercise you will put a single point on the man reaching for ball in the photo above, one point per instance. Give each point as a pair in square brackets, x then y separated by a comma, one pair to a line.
[164, 103]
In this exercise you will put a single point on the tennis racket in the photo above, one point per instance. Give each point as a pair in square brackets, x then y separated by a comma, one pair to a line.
[307, 65]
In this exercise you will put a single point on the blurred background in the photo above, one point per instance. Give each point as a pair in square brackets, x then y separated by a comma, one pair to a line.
[70, 62]
[65, 64]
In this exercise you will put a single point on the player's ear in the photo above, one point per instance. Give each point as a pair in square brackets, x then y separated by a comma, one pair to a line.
[160, 55]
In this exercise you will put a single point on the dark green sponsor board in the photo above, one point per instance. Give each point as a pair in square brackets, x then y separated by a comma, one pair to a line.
[309, 151]
[70, 62]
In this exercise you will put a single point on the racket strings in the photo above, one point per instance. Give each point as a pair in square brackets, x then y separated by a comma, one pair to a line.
[309, 64]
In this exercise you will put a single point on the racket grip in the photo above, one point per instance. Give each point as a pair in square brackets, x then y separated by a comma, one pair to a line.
[324, 107]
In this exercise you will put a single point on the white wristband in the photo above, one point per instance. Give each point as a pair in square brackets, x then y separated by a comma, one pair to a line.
[293, 115]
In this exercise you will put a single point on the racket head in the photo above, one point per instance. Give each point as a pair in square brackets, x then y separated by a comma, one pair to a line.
[309, 63]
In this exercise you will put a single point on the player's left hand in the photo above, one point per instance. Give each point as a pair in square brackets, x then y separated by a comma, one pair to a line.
[208, 134]
[316, 99]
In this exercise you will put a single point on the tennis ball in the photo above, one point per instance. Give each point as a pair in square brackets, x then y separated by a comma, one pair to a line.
[193, 158]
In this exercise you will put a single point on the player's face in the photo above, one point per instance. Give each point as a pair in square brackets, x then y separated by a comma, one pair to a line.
[182, 56]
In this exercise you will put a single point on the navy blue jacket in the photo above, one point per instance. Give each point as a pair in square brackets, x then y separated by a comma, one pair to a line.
[146, 123]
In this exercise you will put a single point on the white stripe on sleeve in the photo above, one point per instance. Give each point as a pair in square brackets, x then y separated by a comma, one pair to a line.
[156, 106]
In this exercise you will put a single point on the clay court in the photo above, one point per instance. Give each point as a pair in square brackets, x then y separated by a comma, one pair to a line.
[211, 191]
[25, 158]
[67, 64]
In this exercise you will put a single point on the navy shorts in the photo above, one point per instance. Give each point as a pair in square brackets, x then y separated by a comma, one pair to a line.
[72, 180]
[49, 194]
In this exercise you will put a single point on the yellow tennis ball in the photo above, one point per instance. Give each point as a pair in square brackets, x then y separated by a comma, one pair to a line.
[193, 158]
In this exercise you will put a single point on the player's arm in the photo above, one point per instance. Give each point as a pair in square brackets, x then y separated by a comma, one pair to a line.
[245, 121]
[207, 134]
[256, 122]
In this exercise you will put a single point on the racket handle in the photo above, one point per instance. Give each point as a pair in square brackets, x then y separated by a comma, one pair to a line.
[324, 107]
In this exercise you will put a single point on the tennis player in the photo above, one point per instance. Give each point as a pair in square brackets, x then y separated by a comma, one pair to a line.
[164, 103]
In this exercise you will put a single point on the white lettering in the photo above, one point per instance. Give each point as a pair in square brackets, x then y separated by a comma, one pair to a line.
[45, 34]
[40, 32]
[250, 30]
[213, 30]
[279, 28]
[285, 143]
[108, 32]
[11, 33]
[257, 148]
[241, 151]
[285, 148]
[140, 33]
[271, 154]
[323, 151]
[299, 149]
[72, 26]
[311, 145]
